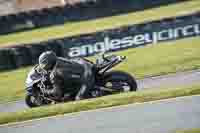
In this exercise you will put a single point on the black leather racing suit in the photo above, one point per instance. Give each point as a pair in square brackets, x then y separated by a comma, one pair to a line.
[71, 74]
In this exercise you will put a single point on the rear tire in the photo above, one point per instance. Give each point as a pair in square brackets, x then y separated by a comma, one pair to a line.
[120, 77]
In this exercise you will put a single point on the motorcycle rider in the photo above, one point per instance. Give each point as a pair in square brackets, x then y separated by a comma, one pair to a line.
[67, 74]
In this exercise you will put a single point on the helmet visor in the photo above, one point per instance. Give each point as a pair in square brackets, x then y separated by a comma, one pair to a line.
[42, 66]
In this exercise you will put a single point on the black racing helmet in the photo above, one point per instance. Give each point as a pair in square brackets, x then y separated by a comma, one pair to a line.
[47, 60]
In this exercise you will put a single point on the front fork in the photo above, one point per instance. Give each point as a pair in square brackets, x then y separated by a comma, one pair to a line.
[39, 96]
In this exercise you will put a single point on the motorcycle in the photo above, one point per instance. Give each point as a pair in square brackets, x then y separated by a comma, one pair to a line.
[106, 82]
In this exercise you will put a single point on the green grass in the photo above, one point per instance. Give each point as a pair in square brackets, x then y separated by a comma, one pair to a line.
[189, 131]
[75, 28]
[143, 62]
[103, 102]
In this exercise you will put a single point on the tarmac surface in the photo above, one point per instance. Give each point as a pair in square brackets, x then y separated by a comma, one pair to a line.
[165, 116]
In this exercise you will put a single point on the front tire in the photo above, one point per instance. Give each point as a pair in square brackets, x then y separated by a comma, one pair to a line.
[120, 81]
[30, 101]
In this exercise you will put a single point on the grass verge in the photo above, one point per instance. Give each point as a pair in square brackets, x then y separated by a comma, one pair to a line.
[189, 131]
[70, 29]
[103, 102]
[170, 57]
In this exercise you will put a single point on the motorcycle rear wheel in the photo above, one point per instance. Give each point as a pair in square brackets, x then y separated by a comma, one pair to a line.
[119, 81]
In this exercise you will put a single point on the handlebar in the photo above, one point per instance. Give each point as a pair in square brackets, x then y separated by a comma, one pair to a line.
[123, 57]
[113, 57]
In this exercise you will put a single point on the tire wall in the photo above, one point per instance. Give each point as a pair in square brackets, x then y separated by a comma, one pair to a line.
[69, 13]
[133, 36]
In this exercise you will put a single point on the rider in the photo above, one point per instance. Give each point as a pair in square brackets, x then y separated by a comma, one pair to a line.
[67, 73]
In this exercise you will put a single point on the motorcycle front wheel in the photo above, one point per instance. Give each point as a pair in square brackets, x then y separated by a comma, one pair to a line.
[119, 81]
[31, 101]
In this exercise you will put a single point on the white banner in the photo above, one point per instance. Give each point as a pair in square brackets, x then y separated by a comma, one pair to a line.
[109, 44]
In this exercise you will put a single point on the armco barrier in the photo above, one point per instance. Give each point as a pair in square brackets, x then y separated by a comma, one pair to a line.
[82, 11]
[21, 56]
[132, 36]
[6, 59]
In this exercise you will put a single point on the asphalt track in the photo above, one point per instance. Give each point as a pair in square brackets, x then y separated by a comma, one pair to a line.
[167, 81]
[163, 116]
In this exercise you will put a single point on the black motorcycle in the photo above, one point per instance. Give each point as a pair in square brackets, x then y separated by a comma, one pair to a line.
[106, 82]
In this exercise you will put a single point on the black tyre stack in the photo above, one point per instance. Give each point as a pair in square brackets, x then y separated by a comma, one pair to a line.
[25, 55]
